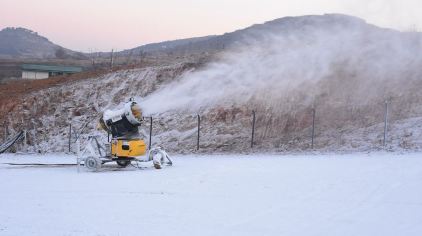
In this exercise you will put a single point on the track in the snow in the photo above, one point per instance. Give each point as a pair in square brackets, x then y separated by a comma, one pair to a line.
[37, 164]
[45, 165]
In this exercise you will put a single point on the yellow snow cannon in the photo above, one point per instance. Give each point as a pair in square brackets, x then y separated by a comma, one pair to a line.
[126, 145]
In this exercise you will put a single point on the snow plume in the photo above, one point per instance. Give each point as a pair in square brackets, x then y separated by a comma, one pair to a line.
[296, 61]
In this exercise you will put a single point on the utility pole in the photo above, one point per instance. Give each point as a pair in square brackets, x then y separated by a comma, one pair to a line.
[112, 59]
[92, 57]
[129, 57]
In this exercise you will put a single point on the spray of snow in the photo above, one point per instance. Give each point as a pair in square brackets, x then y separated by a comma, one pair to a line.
[277, 66]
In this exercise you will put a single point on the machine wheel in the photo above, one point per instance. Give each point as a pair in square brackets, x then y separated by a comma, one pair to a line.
[93, 163]
[158, 160]
[123, 163]
[157, 165]
[159, 157]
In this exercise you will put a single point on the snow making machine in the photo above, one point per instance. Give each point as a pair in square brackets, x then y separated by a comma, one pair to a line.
[126, 145]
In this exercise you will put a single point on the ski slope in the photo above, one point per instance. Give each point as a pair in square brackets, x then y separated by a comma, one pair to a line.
[353, 194]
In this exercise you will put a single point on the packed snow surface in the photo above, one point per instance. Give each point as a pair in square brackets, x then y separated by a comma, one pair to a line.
[353, 194]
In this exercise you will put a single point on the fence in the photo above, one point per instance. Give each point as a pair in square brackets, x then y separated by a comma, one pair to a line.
[260, 131]
[316, 128]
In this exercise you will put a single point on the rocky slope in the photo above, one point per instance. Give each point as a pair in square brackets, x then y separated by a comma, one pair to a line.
[340, 66]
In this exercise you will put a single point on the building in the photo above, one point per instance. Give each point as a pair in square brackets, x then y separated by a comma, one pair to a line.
[31, 71]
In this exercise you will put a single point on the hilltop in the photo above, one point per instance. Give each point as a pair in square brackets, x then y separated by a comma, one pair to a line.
[18, 43]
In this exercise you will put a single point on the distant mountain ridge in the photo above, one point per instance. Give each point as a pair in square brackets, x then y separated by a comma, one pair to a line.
[21, 43]
[257, 32]
[24, 43]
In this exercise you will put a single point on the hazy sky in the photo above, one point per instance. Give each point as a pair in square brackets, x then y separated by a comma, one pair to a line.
[120, 24]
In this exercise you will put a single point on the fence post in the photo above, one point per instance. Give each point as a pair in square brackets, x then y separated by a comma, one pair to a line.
[199, 130]
[385, 124]
[150, 133]
[34, 135]
[313, 127]
[253, 128]
[5, 131]
[24, 141]
[70, 135]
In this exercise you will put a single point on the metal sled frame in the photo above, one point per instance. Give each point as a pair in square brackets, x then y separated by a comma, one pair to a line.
[106, 157]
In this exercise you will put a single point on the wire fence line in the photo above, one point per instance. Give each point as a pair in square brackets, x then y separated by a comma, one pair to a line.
[308, 129]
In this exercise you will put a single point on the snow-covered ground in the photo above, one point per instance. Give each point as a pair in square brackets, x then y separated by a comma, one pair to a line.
[353, 194]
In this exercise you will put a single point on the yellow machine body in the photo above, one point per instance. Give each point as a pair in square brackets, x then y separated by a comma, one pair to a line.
[124, 148]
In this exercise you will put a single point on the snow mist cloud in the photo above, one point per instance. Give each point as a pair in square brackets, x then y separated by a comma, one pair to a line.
[294, 64]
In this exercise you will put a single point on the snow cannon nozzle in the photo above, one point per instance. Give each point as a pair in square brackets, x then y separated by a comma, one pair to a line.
[124, 120]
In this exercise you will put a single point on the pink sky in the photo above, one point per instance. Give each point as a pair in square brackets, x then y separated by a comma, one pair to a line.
[105, 24]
